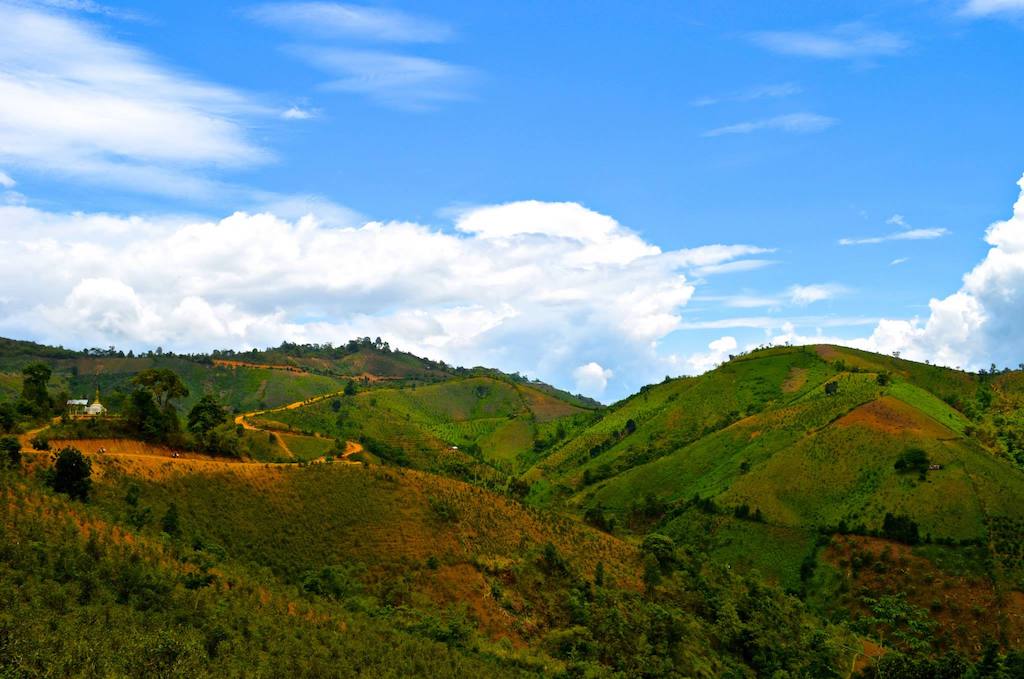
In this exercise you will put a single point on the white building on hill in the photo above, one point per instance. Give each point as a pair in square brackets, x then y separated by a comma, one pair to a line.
[81, 407]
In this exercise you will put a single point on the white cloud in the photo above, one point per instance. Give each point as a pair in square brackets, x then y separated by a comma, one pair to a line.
[523, 286]
[395, 80]
[899, 260]
[296, 113]
[6, 181]
[732, 267]
[741, 301]
[846, 41]
[981, 8]
[718, 352]
[980, 323]
[808, 294]
[909, 234]
[76, 103]
[760, 92]
[793, 122]
[591, 378]
[332, 19]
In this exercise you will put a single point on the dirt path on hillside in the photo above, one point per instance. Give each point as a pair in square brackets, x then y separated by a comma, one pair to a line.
[27, 437]
[351, 447]
[111, 448]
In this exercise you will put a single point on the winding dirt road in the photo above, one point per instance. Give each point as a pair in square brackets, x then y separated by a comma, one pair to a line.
[351, 447]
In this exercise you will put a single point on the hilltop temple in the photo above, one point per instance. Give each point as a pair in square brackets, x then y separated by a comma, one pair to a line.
[80, 407]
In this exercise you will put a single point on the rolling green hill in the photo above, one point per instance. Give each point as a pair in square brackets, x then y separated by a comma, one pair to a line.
[758, 458]
[496, 421]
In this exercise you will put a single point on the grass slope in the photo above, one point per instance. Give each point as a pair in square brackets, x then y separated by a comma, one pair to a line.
[495, 418]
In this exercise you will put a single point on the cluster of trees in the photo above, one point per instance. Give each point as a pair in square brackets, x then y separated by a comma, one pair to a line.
[900, 528]
[914, 460]
[35, 403]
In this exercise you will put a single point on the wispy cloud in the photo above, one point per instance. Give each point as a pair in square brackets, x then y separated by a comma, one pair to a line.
[795, 295]
[75, 102]
[908, 233]
[772, 322]
[793, 122]
[754, 93]
[6, 181]
[396, 80]
[802, 295]
[983, 8]
[846, 41]
[87, 7]
[740, 301]
[332, 19]
[899, 260]
[733, 267]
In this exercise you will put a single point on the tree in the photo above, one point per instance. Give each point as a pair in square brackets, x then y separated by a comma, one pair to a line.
[661, 547]
[151, 410]
[10, 451]
[900, 528]
[652, 574]
[33, 387]
[913, 460]
[169, 523]
[206, 415]
[71, 474]
[831, 388]
[8, 416]
[350, 388]
[143, 416]
[163, 384]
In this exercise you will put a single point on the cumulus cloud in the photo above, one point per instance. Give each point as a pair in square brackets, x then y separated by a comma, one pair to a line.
[74, 102]
[523, 286]
[846, 41]
[982, 322]
[793, 122]
[591, 378]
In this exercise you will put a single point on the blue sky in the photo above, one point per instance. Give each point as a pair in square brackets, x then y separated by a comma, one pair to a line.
[539, 178]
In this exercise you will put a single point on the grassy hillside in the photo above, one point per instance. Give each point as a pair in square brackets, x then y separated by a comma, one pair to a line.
[754, 462]
[331, 570]
[494, 420]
